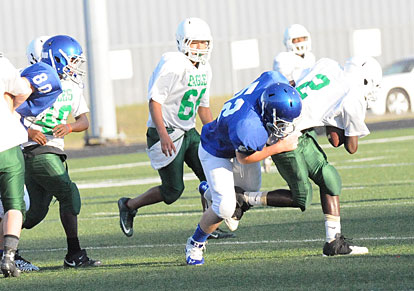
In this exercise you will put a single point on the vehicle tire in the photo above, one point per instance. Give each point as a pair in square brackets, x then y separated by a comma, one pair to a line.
[398, 101]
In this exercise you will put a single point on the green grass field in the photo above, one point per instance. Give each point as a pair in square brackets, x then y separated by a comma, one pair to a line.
[275, 249]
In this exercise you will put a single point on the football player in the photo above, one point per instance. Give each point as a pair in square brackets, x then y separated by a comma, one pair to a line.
[231, 155]
[179, 88]
[332, 96]
[39, 84]
[298, 56]
[46, 170]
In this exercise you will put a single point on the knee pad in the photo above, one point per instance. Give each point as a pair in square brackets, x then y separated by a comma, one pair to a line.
[303, 196]
[71, 201]
[34, 217]
[225, 208]
[332, 183]
[171, 194]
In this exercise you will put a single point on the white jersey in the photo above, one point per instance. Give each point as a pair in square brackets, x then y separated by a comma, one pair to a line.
[330, 98]
[181, 88]
[70, 101]
[12, 133]
[291, 65]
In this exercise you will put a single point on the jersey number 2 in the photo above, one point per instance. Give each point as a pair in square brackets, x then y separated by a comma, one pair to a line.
[320, 82]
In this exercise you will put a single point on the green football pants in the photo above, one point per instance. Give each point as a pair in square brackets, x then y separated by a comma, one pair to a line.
[46, 176]
[172, 175]
[12, 179]
[306, 162]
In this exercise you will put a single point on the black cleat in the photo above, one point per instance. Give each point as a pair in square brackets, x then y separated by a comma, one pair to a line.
[80, 260]
[126, 217]
[340, 246]
[220, 234]
[8, 267]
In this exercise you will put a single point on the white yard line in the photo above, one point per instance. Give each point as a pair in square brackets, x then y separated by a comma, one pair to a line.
[145, 164]
[257, 209]
[251, 242]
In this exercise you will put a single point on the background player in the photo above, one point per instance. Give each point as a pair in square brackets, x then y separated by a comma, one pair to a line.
[178, 90]
[297, 58]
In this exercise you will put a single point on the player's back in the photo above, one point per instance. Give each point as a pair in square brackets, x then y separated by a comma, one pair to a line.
[239, 122]
[322, 89]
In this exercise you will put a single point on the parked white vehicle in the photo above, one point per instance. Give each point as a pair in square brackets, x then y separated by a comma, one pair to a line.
[397, 88]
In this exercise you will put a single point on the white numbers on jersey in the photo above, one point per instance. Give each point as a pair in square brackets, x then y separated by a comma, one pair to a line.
[248, 90]
[39, 79]
[230, 107]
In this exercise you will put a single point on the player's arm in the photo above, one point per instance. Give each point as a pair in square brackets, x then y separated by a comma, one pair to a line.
[81, 123]
[14, 101]
[283, 145]
[167, 145]
[205, 114]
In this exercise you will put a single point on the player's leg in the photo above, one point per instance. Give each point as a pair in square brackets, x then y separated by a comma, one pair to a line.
[49, 172]
[171, 188]
[330, 185]
[219, 174]
[11, 188]
[192, 160]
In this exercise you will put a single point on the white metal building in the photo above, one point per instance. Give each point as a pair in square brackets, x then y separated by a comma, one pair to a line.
[146, 29]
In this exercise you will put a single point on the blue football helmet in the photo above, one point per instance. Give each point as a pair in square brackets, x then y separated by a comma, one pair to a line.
[281, 105]
[65, 54]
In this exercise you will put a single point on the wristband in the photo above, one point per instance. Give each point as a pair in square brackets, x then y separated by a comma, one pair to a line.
[70, 127]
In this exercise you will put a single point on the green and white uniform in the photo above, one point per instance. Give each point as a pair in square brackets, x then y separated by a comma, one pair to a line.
[180, 88]
[329, 98]
[46, 174]
[12, 134]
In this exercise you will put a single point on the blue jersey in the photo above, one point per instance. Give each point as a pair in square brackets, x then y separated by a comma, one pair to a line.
[45, 80]
[239, 125]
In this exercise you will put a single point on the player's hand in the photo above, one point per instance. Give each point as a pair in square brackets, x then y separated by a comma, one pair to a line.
[290, 142]
[286, 144]
[37, 136]
[61, 130]
[167, 146]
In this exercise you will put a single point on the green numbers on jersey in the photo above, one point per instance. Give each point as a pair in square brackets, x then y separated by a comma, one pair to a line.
[50, 120]
[187, 107]
[318, 82]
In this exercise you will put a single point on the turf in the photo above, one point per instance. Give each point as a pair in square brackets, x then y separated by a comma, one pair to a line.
[275, 249]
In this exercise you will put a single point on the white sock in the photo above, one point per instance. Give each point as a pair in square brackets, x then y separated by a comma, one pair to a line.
[332, 226]
[256, 198]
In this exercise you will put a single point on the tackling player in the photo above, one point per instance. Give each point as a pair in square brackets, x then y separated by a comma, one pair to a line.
[178, 90]
[46, 169]
[233, 145]
[332, 96]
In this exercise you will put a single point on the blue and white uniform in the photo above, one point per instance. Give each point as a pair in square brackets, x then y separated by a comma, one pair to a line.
[239, 127]
[47, 86]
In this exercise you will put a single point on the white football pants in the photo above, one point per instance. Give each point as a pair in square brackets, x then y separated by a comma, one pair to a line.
[222, 175]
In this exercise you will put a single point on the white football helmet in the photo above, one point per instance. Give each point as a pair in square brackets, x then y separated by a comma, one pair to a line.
[365, 71]
[296, 31]
[34, 49]
[191, 29]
